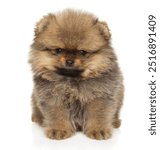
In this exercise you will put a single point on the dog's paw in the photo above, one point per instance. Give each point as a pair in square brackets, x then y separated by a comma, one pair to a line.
[58, 134]
[99, 134]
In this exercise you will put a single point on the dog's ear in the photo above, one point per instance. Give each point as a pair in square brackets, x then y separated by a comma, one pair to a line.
[43, 23]
[104, 30]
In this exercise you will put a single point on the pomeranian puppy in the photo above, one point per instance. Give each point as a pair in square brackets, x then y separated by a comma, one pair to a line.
[77, 81]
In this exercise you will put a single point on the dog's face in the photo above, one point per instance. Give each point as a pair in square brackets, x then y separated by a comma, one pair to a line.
[71, 44]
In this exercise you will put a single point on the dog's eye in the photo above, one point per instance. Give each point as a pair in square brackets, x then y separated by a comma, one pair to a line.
[59, 50]
[82, 52]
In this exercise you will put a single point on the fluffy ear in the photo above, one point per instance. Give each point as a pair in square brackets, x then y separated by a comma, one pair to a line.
[104, 30]
[43, 23]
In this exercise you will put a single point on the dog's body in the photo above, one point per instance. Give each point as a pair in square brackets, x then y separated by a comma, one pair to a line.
[75, 89]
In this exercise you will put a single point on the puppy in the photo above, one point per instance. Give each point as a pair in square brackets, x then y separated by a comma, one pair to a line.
[77, 81]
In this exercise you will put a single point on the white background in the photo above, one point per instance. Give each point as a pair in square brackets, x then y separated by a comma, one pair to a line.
[129, 26]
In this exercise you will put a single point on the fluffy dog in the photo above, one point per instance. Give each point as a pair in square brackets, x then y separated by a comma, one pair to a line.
[77, 81]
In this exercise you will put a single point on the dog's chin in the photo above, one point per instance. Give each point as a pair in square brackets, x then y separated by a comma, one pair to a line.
[69, 72]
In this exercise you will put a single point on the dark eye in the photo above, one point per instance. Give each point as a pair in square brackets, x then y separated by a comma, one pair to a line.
[59, 50]
[82, 52]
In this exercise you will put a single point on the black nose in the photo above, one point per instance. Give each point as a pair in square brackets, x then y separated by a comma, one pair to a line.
[69, 62]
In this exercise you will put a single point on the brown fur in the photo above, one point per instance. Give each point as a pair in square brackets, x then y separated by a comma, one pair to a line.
[85, 95]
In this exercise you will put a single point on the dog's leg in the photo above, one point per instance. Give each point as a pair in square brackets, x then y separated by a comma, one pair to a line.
[98, 120]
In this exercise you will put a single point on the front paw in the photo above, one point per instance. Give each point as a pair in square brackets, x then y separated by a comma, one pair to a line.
[58, 134]
[99, 134]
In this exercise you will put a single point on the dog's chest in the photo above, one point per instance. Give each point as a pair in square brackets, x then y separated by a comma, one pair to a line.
[74, 105]
[67, 92]
[76, 111]
[71, 91]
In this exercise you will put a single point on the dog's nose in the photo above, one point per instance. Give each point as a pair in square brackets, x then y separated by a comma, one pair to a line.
[69, 62]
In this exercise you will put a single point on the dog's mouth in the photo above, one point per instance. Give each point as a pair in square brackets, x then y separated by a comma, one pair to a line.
[69, 72]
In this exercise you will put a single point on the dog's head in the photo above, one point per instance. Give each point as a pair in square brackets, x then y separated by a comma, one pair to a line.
[71, 44]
